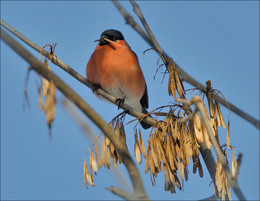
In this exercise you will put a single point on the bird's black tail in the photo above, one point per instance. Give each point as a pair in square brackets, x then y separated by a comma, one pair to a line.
[143, 124]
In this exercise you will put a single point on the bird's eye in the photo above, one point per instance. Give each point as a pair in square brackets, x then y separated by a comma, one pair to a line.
[113, 39]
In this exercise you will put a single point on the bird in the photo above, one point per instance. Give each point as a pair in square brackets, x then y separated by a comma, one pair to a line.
[115, 68]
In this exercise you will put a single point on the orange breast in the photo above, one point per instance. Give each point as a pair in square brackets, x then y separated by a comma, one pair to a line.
[116, 65]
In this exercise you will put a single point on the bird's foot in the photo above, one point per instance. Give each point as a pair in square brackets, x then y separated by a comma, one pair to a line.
[96, 87]
[120, 102]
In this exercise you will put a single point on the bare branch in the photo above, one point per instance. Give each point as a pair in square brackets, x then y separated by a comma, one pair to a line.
[135, 176]
[185, 76]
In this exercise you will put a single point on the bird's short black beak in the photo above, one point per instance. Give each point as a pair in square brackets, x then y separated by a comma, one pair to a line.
[103, 41]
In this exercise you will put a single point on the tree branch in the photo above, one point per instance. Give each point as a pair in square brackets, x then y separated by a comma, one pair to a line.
[185, 76]
[135, 176]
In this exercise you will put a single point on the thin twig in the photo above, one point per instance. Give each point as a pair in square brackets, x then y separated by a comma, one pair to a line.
[200, 107]
[135, 176]
[185, 76]
[54, 59]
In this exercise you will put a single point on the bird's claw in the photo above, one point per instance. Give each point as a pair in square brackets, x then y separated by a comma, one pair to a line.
[95, 87]
[120, 102]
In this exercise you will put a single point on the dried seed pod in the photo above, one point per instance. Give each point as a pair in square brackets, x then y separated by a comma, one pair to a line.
[171, 83]
[169, 183]
[50, 108]
[181, 168]
[154, 155]
[137, 150]
[152, 163]
[117, 128]
[178, 83]
[228, 136]
[107, 141]
[220, 116]
[87, 176]
[84, 173]
[96, 152]
[102, 153]
[177, 182]
[91, 167]
[142, 147]
[197, 129]
[147, 163]
[160, 150]
[218, 176]
[169, 152]
[94, 162]
[107, 157]
[177, 129]
[112, 148]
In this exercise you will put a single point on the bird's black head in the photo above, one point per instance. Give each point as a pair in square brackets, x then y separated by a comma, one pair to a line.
[112, 35]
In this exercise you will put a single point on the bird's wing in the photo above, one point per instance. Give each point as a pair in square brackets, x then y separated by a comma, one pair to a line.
[144, 99]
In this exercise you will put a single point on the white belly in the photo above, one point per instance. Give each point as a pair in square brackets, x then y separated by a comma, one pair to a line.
[130, 99]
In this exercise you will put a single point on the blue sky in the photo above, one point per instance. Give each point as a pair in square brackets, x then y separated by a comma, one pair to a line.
[217, 41]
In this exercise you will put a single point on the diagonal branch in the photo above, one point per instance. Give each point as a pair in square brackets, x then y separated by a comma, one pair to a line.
[135, 176]
[54, 59]
[185, 76]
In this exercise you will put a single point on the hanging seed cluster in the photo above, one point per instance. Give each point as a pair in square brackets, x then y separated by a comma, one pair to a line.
[175, 82]
[169, 148]
[107, 152]
[48, 91]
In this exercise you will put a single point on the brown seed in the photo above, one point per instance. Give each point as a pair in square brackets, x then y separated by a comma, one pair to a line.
[228, 136]
[178, 83]
[220, 116]
[147, 162]
[218, 176]
[171, 83]
[181, 168]
[94, 162]
[142, 147]
[84, 173]
[177, 182]
[87, 175]
[50, 108]
[137, 150]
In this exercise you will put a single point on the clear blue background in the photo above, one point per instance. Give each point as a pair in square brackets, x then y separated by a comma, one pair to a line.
[217, 41]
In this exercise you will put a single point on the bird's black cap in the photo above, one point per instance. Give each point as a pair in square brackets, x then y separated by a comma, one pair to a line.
[112, 35]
